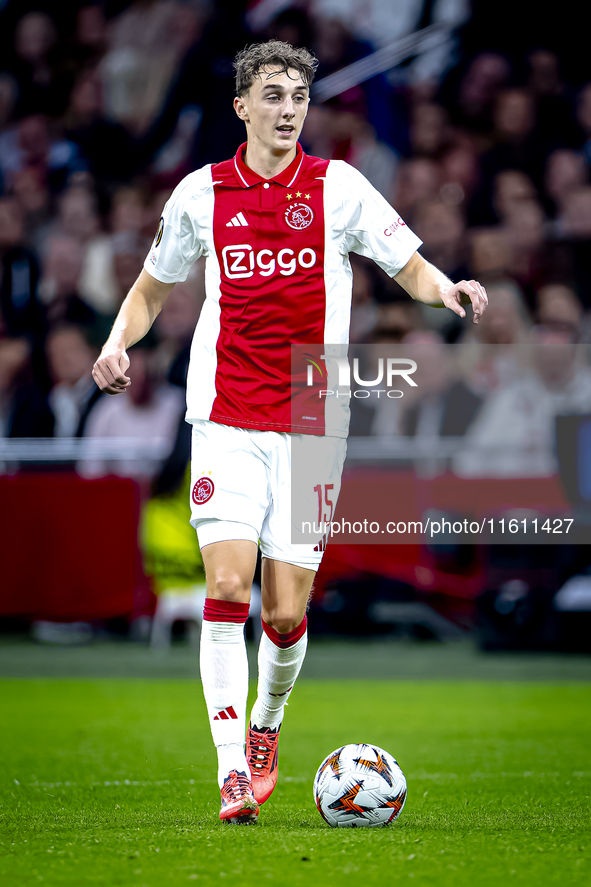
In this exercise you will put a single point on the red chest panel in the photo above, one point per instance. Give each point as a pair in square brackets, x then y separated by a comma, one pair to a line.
[269, 241]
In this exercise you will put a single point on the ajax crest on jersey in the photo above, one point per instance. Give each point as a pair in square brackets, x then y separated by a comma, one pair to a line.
[299, 216]
[359, 786]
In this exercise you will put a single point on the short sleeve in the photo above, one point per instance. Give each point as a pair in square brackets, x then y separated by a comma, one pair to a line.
[373, 227]
[177, 244]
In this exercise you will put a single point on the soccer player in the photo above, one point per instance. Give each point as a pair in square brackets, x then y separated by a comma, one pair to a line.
[276, 227]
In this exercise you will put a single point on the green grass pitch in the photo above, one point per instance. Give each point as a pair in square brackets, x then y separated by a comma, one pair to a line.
[113, 782]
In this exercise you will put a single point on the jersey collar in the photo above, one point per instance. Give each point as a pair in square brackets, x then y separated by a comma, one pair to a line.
[247, 177]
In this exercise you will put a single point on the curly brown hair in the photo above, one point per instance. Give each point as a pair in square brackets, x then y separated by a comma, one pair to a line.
[250, 61]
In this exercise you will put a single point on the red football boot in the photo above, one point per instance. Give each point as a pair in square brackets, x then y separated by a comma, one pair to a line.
[262, 754]
[238, 802]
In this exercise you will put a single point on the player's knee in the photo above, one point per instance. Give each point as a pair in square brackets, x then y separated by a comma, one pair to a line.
[285, 626]
[284, 623]
[228, 587]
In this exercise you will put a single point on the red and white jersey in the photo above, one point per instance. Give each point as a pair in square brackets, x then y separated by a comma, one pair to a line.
[277, 273]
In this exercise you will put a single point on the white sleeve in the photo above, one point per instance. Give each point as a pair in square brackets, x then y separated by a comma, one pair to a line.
[177, 244]
[373, 227]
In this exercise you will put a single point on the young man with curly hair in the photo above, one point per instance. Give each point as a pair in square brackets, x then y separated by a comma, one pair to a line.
[277, 228]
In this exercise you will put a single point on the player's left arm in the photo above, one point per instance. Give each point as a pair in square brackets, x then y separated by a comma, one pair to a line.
[426, 283]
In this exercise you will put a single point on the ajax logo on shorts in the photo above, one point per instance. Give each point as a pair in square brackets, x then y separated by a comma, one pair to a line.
[299, 216]
[203, 490]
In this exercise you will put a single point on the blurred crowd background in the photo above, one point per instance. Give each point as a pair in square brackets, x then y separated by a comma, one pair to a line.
[105, 106]
[482, 142]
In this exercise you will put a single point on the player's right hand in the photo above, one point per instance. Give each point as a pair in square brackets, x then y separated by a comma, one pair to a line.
[109, 371]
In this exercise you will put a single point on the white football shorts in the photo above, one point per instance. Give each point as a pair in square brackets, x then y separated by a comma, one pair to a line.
[241, 488]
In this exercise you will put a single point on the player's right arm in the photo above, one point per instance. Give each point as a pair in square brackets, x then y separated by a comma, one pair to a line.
[136, 315]
[177, 245]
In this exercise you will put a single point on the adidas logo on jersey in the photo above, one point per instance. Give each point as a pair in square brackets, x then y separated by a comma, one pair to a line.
[238, 220]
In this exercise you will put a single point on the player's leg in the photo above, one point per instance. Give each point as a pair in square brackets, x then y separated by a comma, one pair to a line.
[306, 466]
[285, 593]
[228, 504]
[229, 569]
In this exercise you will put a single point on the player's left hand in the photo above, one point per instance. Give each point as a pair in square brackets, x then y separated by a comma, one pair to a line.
[466, 292]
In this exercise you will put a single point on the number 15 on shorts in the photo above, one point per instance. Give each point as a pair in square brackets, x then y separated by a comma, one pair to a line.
[324, 493]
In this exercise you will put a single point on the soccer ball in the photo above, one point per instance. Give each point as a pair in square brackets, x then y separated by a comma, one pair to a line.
[358, 786]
